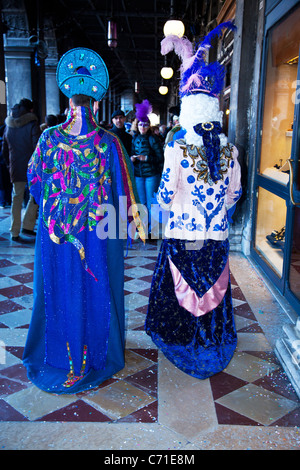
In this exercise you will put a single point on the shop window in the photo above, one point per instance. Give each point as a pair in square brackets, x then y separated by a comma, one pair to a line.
[279, 99]
[270, 229]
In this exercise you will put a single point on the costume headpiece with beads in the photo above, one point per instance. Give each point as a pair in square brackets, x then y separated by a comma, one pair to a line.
[82, 71]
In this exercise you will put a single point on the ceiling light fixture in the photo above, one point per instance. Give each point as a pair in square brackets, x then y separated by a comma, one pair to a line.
[173, 25]
[163, 90]
[166, 72]
[112, 37]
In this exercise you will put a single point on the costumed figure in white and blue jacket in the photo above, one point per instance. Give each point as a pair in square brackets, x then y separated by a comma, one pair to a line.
[190, 313]
[77, 174]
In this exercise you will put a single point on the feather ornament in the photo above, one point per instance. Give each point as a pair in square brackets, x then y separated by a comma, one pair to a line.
[196, 75]
[142, 110]
[181, 46]
[217, 32]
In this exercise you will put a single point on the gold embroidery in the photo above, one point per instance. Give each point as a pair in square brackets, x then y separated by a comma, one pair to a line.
[200, 164]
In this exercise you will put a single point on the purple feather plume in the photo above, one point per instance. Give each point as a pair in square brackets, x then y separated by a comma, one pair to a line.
[142, 110]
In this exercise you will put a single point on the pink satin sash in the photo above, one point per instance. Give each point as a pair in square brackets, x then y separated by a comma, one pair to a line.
[188, 298]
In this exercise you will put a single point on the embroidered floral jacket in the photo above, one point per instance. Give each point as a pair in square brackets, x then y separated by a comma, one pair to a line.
[198, 207]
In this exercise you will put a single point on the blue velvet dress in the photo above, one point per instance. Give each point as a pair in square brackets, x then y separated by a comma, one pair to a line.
[76, 335]
[199, 346]
[190, 313]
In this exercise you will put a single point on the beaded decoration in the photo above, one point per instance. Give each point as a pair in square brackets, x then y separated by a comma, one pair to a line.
[72, 378]
[82, 71]
[210, 131]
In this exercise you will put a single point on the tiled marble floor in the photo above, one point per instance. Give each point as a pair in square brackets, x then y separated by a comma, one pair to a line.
[149, 404]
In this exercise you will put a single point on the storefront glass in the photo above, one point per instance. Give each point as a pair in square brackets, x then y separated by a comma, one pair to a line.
[279, 104]
[277, 134]
[270, 232]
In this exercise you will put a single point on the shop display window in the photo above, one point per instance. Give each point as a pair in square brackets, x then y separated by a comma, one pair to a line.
[270, 229]
[279, 99]
[278, 131]
[294, 274]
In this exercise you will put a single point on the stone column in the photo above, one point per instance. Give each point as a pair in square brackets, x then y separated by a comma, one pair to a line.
[246, 59]
[52, 91]
[18, 70]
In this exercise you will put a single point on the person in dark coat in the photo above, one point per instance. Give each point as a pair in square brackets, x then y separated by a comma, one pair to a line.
[19, 141]
[5, 184]
[118, 119]
[148, 158]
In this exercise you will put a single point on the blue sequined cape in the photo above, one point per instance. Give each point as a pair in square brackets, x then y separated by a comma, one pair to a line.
[76, 335]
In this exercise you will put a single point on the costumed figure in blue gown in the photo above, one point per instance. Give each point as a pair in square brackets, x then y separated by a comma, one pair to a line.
[190, 312]
[77, 174]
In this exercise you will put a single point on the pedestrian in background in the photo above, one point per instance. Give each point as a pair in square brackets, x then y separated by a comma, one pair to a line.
[5, 184]
[118, 119]
[147, 157]
[19, 141]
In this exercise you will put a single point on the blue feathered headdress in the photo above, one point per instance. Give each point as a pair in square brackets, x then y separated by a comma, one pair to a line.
[196, 75]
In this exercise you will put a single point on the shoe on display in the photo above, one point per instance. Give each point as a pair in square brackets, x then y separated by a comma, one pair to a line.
[277, 238]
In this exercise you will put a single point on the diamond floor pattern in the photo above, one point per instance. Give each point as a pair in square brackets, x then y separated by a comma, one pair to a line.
[253, 391]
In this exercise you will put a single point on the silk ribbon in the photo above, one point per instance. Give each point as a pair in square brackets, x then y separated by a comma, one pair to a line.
[187, 297]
